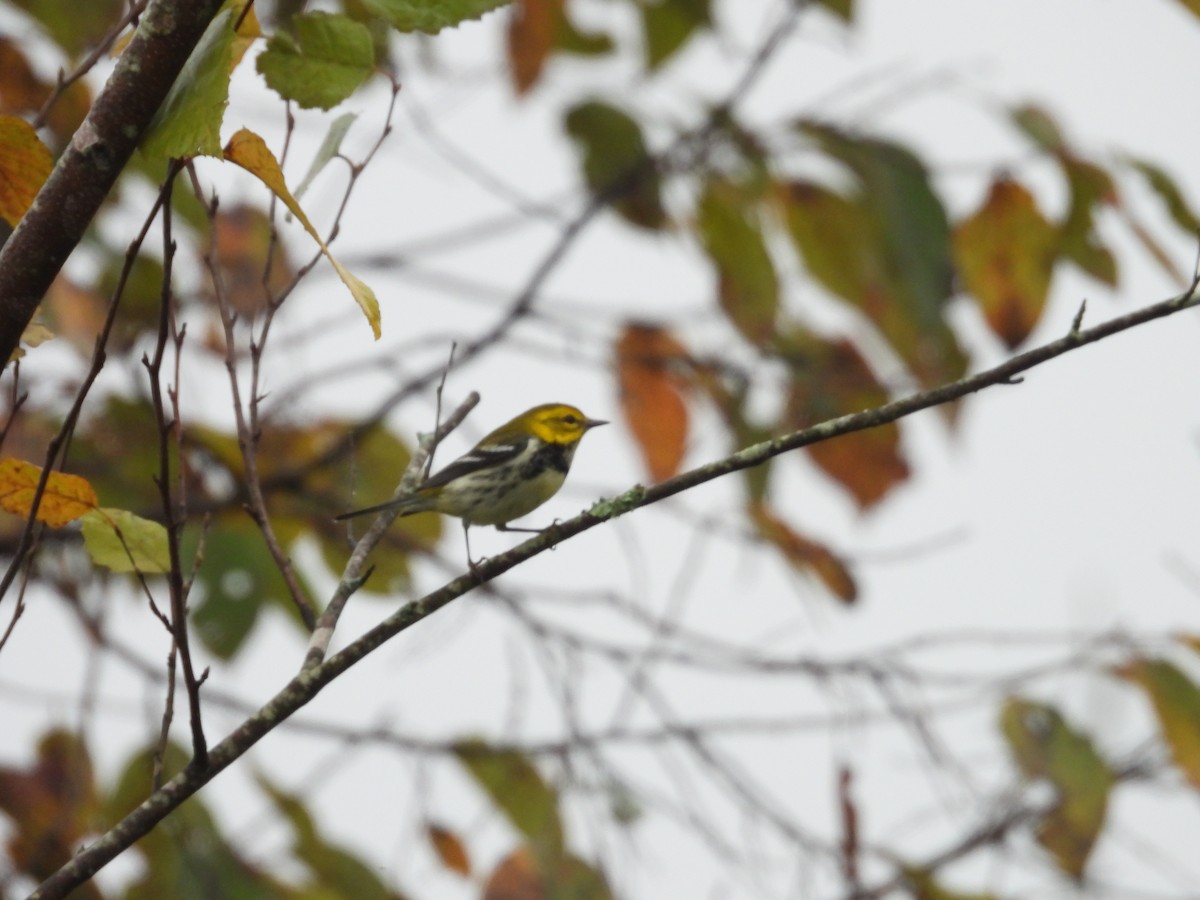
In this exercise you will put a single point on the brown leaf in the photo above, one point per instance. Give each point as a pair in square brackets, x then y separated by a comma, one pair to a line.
[532, 29]
[652, 379]
[804, 554]
[1006, 252]
[450, 849]
[515, 878]
[253, 261]
[51, 805]
[831, 378]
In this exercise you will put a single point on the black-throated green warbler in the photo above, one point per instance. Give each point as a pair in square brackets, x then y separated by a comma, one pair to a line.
[511, 472]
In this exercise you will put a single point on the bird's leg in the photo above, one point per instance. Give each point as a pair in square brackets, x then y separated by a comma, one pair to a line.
[507, 527]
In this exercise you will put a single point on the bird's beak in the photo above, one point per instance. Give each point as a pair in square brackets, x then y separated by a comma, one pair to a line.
[594, 423]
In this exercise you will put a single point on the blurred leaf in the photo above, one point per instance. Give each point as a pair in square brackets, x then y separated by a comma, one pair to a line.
[582, 43]
[141, 300]
[805, 555]
[1192, 6]
[1006, 252]
[329, 149]
[189, 121]
[669, 24]
[322, 64]
[25, 164]
[52, 807]
[254, 263]
[430, 16]
[924, 886]
[237, 578]
[895, 263]
[733, 240]
[1176, 702]
[1044, 746]
[1091, 186]
[650, 374]
[616, 164]
[118, 452]
[75, 312]
[1039, 126]
[247, 149]
[23, 93]
[65, 498]
[335, 871]
[532, 29]
[123, 542]
[186, 857]
[519, 877]
[1168, 191]
[843, 9]
[516, 787]
[831, 378]
[450, 849]
[74, 26]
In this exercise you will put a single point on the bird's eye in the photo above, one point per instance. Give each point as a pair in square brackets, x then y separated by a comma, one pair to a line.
[571, 420]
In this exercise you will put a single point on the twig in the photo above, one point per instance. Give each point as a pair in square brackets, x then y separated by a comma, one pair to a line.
[356, 572]
[313, 678]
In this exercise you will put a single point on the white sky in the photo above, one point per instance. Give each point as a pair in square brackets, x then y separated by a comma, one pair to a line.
[1057, 506]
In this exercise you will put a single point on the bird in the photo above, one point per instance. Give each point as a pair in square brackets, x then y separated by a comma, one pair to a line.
[508, 474]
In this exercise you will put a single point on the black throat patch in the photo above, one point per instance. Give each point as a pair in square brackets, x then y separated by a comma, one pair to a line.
[548, 456]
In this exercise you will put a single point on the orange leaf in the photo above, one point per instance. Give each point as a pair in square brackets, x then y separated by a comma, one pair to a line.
[805, 555]
[1006, 253]
[450, 849]
[25, 163]
[532, 28]
[831, 377]
[652, 385]
[66, 497]
[515, 878]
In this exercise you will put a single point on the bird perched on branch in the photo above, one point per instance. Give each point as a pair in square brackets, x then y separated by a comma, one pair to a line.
[508, 474]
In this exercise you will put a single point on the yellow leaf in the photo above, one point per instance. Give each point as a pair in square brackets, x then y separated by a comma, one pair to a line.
[248, 150]
[25, 164]
[66, 497]
[1176, 702]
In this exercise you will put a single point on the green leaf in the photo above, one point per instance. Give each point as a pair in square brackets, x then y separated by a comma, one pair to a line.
[1006, 252]
[1176, 702]
[616, 164]
[74, 26]
[237, 578]
[1091, 187]
[733, 240]
[330, 147]
[669, 24]
[430, 16]
[190, 859]
[515, 786]
[834, 237]
[123, 542]
[904, 247]
[843, 9]
[325, 61]
[336, 872]
[1168, 191]
[1039, 126]
[1044, 746]
[189, 121]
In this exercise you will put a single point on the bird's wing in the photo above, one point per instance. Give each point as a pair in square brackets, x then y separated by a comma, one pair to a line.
[481, 457]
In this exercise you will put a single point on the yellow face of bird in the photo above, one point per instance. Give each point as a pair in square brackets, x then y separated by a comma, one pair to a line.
[558, 423]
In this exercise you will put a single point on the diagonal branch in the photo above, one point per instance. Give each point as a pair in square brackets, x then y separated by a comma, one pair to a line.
[305, 686]
[98, 152]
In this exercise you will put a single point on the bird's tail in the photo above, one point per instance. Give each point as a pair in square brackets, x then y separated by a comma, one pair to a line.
[404, 506]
